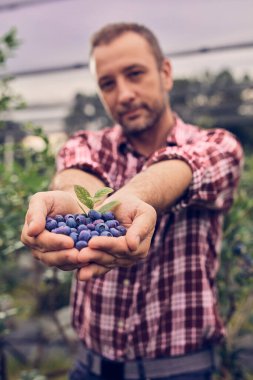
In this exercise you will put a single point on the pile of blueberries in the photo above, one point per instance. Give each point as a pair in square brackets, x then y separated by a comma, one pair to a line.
[82, 227]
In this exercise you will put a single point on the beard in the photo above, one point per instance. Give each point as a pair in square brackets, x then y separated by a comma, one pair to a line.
[138, 118]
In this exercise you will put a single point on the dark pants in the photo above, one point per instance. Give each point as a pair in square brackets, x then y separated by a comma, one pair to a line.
[80, 372]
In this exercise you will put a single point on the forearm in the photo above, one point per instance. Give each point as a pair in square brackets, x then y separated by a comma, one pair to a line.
[66, 179]
[161, 184]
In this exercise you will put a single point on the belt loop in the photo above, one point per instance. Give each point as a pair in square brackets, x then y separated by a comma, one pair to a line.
[141, 370]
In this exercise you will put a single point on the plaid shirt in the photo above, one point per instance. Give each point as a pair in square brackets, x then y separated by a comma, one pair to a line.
[166, 305]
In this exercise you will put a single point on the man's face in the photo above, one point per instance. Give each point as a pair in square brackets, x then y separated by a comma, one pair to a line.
[132, 87]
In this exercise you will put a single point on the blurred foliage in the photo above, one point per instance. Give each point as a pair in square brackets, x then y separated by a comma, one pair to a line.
[8, 99]
[235, 281]
[27, 289]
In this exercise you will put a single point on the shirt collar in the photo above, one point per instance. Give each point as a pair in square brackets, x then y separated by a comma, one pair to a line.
[176, 136]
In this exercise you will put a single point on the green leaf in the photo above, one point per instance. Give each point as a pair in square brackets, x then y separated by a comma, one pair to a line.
[84, 196]
[103, 192]
[109, 206]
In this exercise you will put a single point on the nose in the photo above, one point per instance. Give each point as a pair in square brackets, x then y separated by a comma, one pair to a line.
[125, 92]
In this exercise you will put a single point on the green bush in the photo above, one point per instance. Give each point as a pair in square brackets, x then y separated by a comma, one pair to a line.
[235, 280]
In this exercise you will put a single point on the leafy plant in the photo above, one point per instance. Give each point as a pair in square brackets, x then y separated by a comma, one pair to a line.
[87, 200]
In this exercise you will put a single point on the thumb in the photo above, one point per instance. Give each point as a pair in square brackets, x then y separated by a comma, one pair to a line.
[36, 217]
[141, 229]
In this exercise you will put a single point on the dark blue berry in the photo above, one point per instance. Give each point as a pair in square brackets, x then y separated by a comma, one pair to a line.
[94, 214]
[80, 219]
[91, 226]
[74, 236]
[84, 235]
[108, 215]
[111, 223]
[51, 224]
[71, 222]
[59, 218]
[67, 216]
[61, 224]
[98, 221]
[115, 232]
[122, 230]
[106, 233]
[94, 233]
[65, 230]
[100, 227]
[82, 227]
[81, 244]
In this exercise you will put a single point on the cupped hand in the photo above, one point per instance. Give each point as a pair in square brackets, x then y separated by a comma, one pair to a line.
[51, 249]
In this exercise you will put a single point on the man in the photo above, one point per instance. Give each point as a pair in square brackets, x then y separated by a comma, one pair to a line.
[144, 305]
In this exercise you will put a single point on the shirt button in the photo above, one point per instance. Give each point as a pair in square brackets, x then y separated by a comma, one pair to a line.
[121, 324]
[126, 282]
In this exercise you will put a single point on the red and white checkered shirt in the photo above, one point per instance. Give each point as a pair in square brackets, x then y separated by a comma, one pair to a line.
[166, 305]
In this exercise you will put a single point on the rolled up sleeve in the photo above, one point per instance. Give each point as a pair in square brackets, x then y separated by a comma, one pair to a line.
[81, 151]
[216, 160]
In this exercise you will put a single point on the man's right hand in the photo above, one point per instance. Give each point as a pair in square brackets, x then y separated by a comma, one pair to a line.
[52, 249]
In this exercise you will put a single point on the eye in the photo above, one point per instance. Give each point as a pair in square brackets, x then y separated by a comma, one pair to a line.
[135, 74]
[106, 85]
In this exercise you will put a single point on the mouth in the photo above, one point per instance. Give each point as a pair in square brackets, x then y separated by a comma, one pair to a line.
[131, 113]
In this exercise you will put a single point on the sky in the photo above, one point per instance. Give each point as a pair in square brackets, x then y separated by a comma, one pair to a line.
[57, 33]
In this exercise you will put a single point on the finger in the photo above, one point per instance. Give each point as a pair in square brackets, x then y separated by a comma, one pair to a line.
[141, 229]
[63, 258]
[114, 246]
[91, 271]
[88, 256]
[46, 241]
[36, 215]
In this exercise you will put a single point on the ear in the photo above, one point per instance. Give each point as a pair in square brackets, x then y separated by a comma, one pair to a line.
[166, 72]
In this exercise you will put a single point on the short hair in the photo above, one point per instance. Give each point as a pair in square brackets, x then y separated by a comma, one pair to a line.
[112, 31]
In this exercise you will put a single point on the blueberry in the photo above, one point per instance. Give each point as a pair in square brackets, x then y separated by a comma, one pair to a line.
[71, 222]
[98, 221]
[82, 227]
[93, 214]
[115, 232]
[80, 219]
[59, 218]
[51, 224]
[91, 226]
[65, 230]
[88, 220]
[108, 215]
[94, 233]
[67, 216]
[111, 223]
[74, 236]
[100, 227]
[106, 233]
[61, 224]
[84, 235]
[73, 229]
[81, 244]
[122, 230]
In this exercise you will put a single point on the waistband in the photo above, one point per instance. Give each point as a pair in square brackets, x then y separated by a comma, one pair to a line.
[203, 360]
